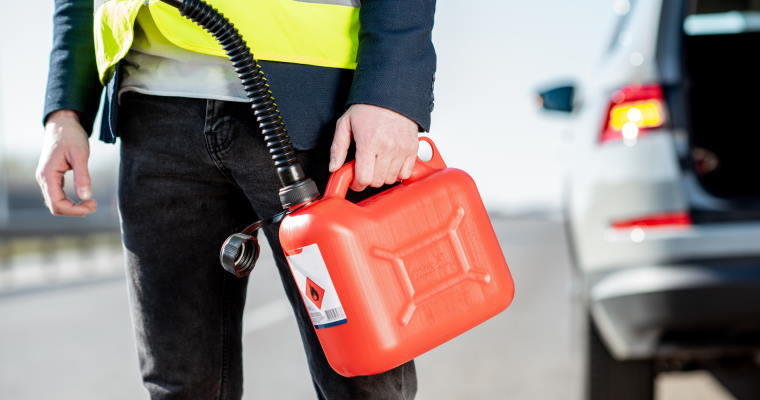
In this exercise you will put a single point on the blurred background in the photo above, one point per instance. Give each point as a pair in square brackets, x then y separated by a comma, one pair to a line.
[580, 191]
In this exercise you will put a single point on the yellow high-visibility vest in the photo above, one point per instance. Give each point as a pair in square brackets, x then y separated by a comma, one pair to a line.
[314, 32]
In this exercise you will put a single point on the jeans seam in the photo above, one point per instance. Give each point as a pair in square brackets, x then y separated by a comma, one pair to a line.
[212, 148]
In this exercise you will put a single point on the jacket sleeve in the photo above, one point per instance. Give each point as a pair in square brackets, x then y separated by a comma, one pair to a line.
[396, 58]
[73, 77]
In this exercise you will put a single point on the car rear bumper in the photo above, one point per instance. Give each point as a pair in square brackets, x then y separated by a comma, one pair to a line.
[689, 309]
[612, 248]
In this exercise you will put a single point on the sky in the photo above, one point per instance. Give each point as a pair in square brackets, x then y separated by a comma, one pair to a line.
[492, 55]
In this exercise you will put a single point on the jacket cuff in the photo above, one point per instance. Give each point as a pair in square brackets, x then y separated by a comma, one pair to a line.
[415, 104]
[87, 110]
[71, 87]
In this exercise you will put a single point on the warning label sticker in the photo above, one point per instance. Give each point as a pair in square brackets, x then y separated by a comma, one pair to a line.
[316, 287]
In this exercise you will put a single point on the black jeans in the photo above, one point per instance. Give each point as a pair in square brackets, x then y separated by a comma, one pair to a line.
[192, 172]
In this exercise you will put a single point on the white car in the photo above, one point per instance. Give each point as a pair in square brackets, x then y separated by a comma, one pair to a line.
[662, 194]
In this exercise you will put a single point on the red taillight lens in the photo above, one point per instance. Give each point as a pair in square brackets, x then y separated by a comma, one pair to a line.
[677, 219]
[632, 112]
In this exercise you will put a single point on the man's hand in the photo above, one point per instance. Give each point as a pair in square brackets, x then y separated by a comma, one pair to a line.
[65, 147]
[386, 145]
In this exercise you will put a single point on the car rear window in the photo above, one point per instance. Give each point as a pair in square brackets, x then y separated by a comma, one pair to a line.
[722, 6]
[722, 17]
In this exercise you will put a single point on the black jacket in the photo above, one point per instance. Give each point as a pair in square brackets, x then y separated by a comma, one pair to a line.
[396, 63]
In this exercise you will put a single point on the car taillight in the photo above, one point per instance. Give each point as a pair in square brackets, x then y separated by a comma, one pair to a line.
[632, 112]
[678, 219]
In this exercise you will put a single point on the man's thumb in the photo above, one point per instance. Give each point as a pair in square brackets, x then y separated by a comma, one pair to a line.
[340, 144]
[82, 178]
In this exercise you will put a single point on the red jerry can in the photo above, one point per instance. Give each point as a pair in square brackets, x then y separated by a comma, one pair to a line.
[393, 276]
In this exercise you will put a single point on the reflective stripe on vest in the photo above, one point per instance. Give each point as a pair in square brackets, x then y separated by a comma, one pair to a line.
[314, 32]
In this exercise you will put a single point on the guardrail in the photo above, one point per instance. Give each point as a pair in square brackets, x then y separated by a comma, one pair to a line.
[38, 249]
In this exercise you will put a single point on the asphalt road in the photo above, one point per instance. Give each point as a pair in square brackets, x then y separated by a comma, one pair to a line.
[74, 341]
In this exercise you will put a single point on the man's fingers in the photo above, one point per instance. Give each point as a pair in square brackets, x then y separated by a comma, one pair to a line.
[43, 187]
[65, 207]
[55, 198]
[394, 169]
[380, 171]
[82, 178]
[364, 171]
[52, 187]
[384, 140]
[340, 144]
[407, 167]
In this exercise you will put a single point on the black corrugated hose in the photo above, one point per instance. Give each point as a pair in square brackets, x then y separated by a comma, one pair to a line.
[296, 187]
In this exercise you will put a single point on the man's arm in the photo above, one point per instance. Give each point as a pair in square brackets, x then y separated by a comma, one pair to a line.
[71, 102]
[391, 95]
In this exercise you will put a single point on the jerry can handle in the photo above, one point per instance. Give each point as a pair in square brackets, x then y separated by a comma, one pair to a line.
[340, 180]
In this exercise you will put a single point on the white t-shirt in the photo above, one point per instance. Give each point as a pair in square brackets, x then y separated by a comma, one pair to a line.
[155, 66]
